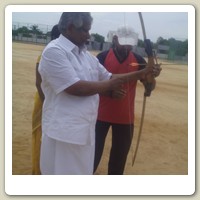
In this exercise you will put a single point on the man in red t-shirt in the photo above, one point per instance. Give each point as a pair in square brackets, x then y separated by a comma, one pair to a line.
[114, 112]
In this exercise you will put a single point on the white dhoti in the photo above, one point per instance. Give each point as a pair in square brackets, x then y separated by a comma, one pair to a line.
[61, 158]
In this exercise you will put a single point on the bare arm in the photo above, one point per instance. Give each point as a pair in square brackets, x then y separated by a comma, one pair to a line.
[87, 88]
[133, 76]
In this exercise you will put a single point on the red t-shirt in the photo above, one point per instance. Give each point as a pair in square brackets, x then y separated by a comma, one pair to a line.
[119, 111]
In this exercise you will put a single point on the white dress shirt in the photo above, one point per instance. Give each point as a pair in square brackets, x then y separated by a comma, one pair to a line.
[66, 117]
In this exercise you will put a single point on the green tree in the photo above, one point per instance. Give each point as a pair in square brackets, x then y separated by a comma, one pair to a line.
[162, 41]
[98, 38]
[35, 30]
[180, 48]
[23, 29]
[140, 43]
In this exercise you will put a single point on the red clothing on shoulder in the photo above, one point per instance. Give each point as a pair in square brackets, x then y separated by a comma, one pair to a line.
[119, 111]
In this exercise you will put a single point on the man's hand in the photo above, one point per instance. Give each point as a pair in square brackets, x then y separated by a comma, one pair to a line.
[118, 94]
[156, 70]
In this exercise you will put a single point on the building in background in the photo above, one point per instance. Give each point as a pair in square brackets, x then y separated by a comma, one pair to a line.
[162, 51]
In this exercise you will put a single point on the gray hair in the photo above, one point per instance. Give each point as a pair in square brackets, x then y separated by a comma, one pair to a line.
[75, 18]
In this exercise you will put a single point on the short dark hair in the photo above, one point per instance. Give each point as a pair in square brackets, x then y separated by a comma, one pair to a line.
[55, 32]
[75, 18]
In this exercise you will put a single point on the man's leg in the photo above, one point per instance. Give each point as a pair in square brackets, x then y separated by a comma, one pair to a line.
[101, 133]
[121, 141]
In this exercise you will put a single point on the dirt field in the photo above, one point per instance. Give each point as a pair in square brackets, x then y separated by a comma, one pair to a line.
[163, 147]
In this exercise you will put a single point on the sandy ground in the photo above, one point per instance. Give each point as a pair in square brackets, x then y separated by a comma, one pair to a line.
[163, 147]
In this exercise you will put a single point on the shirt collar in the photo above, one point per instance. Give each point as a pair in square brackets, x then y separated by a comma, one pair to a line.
[67, 44]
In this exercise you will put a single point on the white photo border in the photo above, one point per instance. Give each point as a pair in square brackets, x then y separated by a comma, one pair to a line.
[110, 185]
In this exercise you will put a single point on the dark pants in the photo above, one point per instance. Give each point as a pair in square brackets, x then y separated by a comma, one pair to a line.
[122, 135]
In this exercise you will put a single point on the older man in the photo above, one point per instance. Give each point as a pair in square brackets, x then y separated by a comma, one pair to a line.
[72, 79]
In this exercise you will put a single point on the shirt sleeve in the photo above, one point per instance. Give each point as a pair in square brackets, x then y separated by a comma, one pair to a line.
[57, 70]
[103, 74]
[101, 59]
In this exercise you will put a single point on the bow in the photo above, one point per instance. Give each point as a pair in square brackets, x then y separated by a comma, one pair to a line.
[148, 85]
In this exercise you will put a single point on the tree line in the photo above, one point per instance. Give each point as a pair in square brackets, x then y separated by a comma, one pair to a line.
[28, 32]
[180, 48]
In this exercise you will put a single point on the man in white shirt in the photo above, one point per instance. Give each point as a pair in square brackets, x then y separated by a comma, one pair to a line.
[72, 78]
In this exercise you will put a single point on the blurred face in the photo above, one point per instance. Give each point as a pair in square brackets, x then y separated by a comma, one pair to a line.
[80, 36]
[119, 47]
[124, 47]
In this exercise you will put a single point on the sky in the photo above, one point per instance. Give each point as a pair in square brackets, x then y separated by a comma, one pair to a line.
[157, 24]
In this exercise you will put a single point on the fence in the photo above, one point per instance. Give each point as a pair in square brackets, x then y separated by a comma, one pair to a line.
[42, 27]
[44, 38]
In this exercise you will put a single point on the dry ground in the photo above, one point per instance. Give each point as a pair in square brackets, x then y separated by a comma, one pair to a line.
[164, 142]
